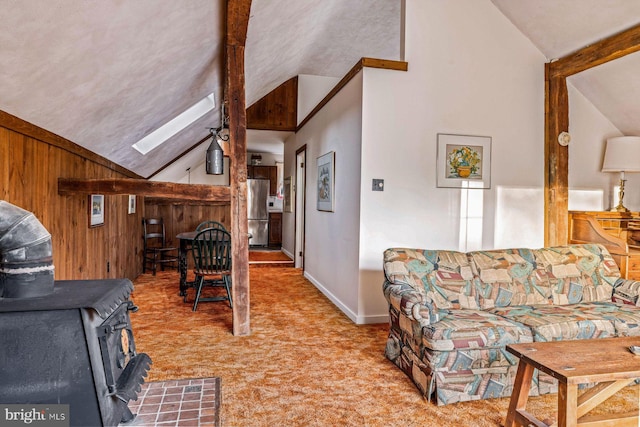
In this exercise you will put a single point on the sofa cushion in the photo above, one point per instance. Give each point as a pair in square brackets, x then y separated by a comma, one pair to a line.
[625, 318]
[578, 273]
[509, 277]
[561, 322]
[473, 329]
[445, 278]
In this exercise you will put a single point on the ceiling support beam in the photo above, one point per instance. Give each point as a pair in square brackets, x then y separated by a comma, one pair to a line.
[142, 187]
[603, 51]
[556, 185]
[556, 160]
[236, 36]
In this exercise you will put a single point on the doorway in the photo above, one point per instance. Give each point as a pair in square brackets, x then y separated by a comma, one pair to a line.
[301, 155]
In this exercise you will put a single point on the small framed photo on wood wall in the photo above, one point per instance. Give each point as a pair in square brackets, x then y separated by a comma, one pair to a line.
[132, 204]
[96, 210]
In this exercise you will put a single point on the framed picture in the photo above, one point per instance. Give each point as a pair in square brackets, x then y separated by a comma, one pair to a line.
[132, 204]
[463, 161]
[288, 194]
[326, 184]
[96, 210]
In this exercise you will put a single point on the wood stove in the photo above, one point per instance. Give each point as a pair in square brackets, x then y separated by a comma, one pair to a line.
[73, 346]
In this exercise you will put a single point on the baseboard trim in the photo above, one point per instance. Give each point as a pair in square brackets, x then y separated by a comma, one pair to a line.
[358, 320]
[346, 310]
[287, 253]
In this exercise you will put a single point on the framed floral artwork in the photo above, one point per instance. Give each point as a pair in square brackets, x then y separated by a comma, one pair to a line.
[463, 161]
[326, 185]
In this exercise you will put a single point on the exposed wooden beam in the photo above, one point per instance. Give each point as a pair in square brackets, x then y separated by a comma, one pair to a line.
[556, 160]
[364, 62]
[277, 110]
[237, 24]
[556, 191]
[22, 126]
[605, 50]
[142, 187]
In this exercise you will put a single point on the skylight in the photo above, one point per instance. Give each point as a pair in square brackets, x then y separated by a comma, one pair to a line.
[175, 125]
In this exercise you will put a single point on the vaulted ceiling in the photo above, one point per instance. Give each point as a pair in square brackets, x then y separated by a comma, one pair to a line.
[560, 27]
[105, 74]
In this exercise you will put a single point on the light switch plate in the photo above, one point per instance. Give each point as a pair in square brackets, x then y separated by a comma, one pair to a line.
[377, 185]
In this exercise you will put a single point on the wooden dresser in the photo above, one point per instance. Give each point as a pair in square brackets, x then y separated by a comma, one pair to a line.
[619, 232]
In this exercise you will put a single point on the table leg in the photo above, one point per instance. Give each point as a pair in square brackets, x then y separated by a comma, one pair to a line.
[520, 393]
[567, 404]
[182, 266]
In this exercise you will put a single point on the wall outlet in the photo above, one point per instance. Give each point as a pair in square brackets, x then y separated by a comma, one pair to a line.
[377, 185]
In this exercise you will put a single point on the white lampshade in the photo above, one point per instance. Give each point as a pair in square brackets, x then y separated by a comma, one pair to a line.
[622, 154]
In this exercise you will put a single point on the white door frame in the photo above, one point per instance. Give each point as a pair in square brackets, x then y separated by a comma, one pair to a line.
[298, 247]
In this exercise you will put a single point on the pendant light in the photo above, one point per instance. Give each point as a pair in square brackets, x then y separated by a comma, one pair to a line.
[215, 155]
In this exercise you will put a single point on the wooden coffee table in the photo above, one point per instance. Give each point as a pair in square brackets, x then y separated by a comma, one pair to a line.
[606, 361]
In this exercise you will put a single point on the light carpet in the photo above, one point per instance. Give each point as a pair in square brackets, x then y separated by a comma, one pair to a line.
[304, 364]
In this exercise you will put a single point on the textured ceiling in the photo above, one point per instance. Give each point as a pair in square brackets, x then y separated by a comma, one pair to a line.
[103, 74]
[323, 38]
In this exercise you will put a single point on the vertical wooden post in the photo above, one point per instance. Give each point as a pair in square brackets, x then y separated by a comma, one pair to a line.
[556, 173]
[237, 24]
[556, 160]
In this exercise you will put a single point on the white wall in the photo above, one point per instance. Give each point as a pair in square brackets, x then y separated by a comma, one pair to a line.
[195, 175]
[311, 90]
[332, 238]
[471, 72]
[268, 159]
[288, 218]
[589, 130]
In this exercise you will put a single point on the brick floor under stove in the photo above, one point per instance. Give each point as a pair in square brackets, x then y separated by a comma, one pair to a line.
[184, 403]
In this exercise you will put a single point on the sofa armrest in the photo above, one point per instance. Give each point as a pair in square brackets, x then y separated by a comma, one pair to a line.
[626, 292]
[412, 304]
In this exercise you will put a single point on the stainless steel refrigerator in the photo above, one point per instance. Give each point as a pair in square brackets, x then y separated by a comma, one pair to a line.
[257, 214]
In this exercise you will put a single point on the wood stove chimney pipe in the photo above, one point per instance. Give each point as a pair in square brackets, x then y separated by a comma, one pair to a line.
[26, 260]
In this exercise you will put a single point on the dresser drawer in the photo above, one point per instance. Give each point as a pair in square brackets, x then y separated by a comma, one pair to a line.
[633, 266]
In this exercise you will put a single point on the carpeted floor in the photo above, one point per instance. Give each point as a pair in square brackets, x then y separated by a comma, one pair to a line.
[305, 363]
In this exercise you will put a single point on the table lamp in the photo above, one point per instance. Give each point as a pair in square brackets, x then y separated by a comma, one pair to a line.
[622, 154]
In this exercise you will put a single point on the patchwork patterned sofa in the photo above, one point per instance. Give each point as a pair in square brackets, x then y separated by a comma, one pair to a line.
[453, 313]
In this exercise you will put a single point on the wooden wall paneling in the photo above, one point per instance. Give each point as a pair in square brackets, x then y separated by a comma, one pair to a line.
[4, 163]
[30, 130]
[277, 110]
[17, 170]
[30, 170]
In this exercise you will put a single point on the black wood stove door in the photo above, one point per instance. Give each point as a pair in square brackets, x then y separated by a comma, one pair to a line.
[44, 359]
[73, 347]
